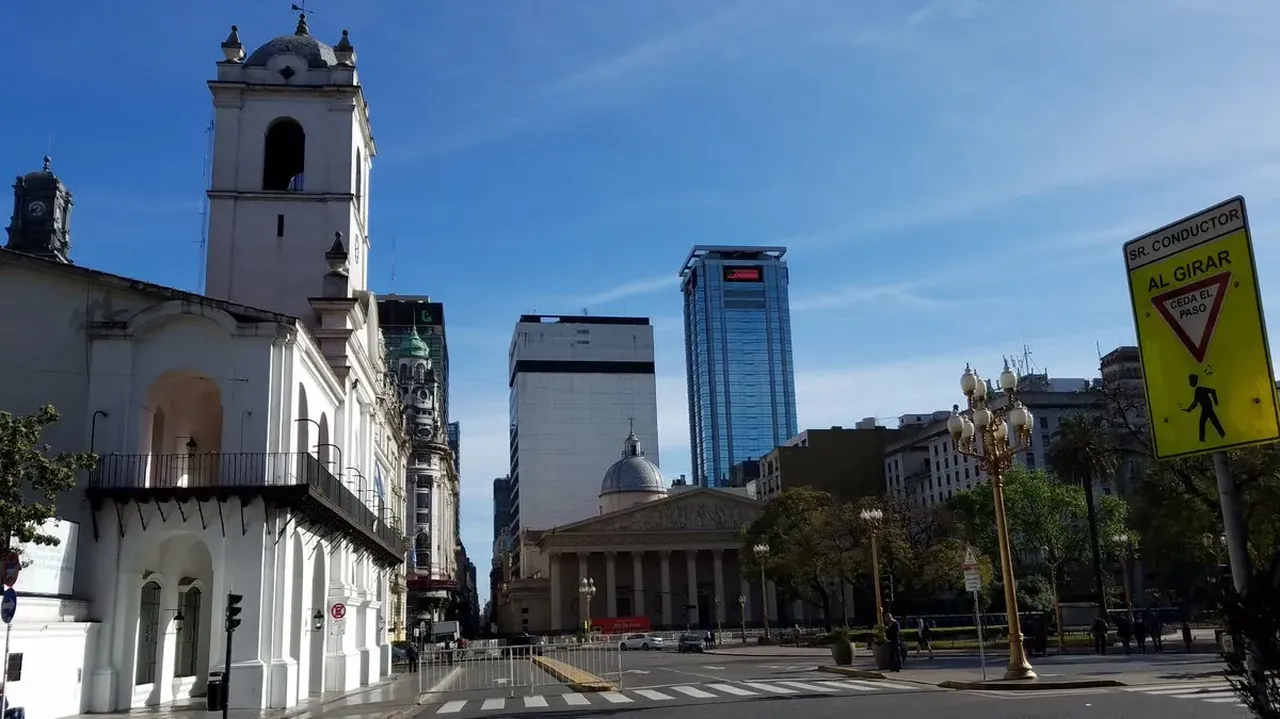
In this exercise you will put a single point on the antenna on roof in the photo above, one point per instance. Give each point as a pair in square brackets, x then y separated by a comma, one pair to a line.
[207, 172]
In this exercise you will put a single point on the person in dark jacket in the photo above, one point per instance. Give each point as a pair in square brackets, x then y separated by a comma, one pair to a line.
[1140, 632]
[1124, 630]
[1100, 630]
[893, 636]
[1156, 629]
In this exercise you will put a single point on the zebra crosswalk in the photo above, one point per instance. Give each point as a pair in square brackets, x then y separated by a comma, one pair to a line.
[716, 690]
[1214, 691]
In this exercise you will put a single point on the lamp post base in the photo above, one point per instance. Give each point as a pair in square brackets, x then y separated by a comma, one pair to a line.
[1020, 672]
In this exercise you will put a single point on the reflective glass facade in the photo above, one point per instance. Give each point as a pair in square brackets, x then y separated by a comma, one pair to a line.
[737, 328]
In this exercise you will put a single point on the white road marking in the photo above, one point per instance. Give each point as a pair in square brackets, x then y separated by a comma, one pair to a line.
[1208, 695]
[651, 694]
[848, 685]
[535, 701]
[616, 698]
[1185, 686]
[492, 704]
[694, 692]
[770, 688]
[575, 699]
[807, 687]
[708, 666]
[888, 685]
[452, 707]
[731, 689]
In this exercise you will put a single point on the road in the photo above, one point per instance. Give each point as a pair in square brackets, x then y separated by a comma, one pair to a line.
[738, 687]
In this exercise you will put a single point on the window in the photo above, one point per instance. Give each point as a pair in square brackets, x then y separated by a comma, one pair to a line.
[148, 626]
[13, 671]
[189, 636]
[284, 156]
[279, 225]
[1044, 422]
[359, 178]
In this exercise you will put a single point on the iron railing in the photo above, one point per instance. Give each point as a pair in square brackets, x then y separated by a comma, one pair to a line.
[212, 470]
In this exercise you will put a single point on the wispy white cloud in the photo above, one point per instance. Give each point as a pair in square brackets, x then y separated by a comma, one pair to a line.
[635, 288]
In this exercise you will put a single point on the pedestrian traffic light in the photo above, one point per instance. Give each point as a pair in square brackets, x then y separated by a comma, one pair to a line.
[233, 611]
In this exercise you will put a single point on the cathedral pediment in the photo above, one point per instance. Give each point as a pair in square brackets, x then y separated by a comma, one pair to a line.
[692, 511]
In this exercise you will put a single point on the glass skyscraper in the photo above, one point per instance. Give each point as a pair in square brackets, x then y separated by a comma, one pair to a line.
[737, 336]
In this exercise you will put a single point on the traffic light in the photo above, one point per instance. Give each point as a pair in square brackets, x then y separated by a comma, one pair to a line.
[233, 611]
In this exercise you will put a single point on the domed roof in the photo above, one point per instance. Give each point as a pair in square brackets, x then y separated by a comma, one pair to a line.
[317, 54]
[41, 176]
[413, 346]
[633, 473]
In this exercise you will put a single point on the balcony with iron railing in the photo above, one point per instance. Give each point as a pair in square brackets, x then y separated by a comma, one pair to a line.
[286, 478]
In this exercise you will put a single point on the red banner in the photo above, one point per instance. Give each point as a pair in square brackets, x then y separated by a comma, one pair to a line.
[621, 625]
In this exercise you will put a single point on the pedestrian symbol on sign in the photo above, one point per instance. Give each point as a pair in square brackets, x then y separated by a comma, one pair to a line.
[1205, 399]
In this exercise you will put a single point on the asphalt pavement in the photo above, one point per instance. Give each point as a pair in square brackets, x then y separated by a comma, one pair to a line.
[741, 687]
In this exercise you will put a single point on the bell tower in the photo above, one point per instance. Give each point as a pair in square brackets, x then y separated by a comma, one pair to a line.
[292, 151]
[41, 216]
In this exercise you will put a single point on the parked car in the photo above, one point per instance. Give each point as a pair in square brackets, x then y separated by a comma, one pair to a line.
[524, 644]
[643, 642]
[692, 642]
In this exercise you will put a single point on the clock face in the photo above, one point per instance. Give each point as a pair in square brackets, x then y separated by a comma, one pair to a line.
[36, 209]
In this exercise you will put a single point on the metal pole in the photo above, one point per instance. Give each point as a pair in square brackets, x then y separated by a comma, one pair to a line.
[226, 676]
[1233, 528]
[764, 602]
[1019, 667]
[4, 686]
[977, 622]
[875, 573]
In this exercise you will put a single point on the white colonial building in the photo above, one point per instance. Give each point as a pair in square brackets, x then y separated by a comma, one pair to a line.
[250, 440]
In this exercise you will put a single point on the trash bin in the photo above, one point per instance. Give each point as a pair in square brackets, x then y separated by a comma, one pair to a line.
[216, 698]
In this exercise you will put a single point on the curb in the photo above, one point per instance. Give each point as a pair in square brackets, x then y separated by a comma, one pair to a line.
[1033, 685]
[870, 674]
[577, 679]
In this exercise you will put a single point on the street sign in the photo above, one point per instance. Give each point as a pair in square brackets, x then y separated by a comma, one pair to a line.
[972, 579]
[8, 605]
[1206, 365]
[338, 611]
[12, 566]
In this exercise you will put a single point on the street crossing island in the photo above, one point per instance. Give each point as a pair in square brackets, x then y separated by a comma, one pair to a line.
[1190, 270]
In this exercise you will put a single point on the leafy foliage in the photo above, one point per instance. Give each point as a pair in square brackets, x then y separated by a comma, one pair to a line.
[1255, 620]
[31, 479]
[807, 544]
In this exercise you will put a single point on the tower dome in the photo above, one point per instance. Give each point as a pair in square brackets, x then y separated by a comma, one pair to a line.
[318, 55]
[630, 480]
[413, 346]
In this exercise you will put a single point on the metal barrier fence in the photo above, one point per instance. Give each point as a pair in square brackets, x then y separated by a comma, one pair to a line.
[515, 669]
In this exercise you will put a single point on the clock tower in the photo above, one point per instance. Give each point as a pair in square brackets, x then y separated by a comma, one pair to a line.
[41, 215]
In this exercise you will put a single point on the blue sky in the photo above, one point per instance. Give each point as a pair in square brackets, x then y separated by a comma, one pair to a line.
[954, 178]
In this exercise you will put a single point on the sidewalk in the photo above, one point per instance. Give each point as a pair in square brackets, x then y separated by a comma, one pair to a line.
[394, 697]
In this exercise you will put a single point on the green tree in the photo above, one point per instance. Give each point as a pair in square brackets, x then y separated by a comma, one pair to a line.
[32, 478]
[1085, 449]
[808, 544]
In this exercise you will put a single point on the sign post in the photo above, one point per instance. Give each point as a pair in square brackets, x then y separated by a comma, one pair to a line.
[1206, 363]
[973, 585]
[8, 606]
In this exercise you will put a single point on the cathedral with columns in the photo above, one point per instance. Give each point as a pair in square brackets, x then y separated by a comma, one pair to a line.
[653, 558]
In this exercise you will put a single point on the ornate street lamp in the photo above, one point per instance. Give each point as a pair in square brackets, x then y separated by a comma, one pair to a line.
[873, 517]
[586, 590]
[983, 433]
[742, 612]
[1125, 548]
[761, 551]
[317, 620]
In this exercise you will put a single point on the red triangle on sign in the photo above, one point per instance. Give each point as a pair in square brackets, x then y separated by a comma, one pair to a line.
[1192, 311]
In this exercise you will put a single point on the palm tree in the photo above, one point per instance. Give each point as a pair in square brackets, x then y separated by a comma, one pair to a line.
[1083, 450]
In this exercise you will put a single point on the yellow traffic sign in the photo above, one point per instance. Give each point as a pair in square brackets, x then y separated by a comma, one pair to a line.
[1205, 360]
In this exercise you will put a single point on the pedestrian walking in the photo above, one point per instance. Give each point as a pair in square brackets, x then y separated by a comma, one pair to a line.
[1125, 631]
[1140, 632]
[1156, 629]
[892, 635]
[412, 652]
[1186, 635]
[1100, 630]
[927, 633]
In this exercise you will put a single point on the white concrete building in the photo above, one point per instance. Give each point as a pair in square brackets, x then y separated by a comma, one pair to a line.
[237, 431]
[578, 383]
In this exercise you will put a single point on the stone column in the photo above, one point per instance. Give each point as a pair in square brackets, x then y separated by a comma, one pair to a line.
[691, 582]
[718, 560]
[639, 607]
[610, 585]
[666, 587]
[584, 608]
[553, 575]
